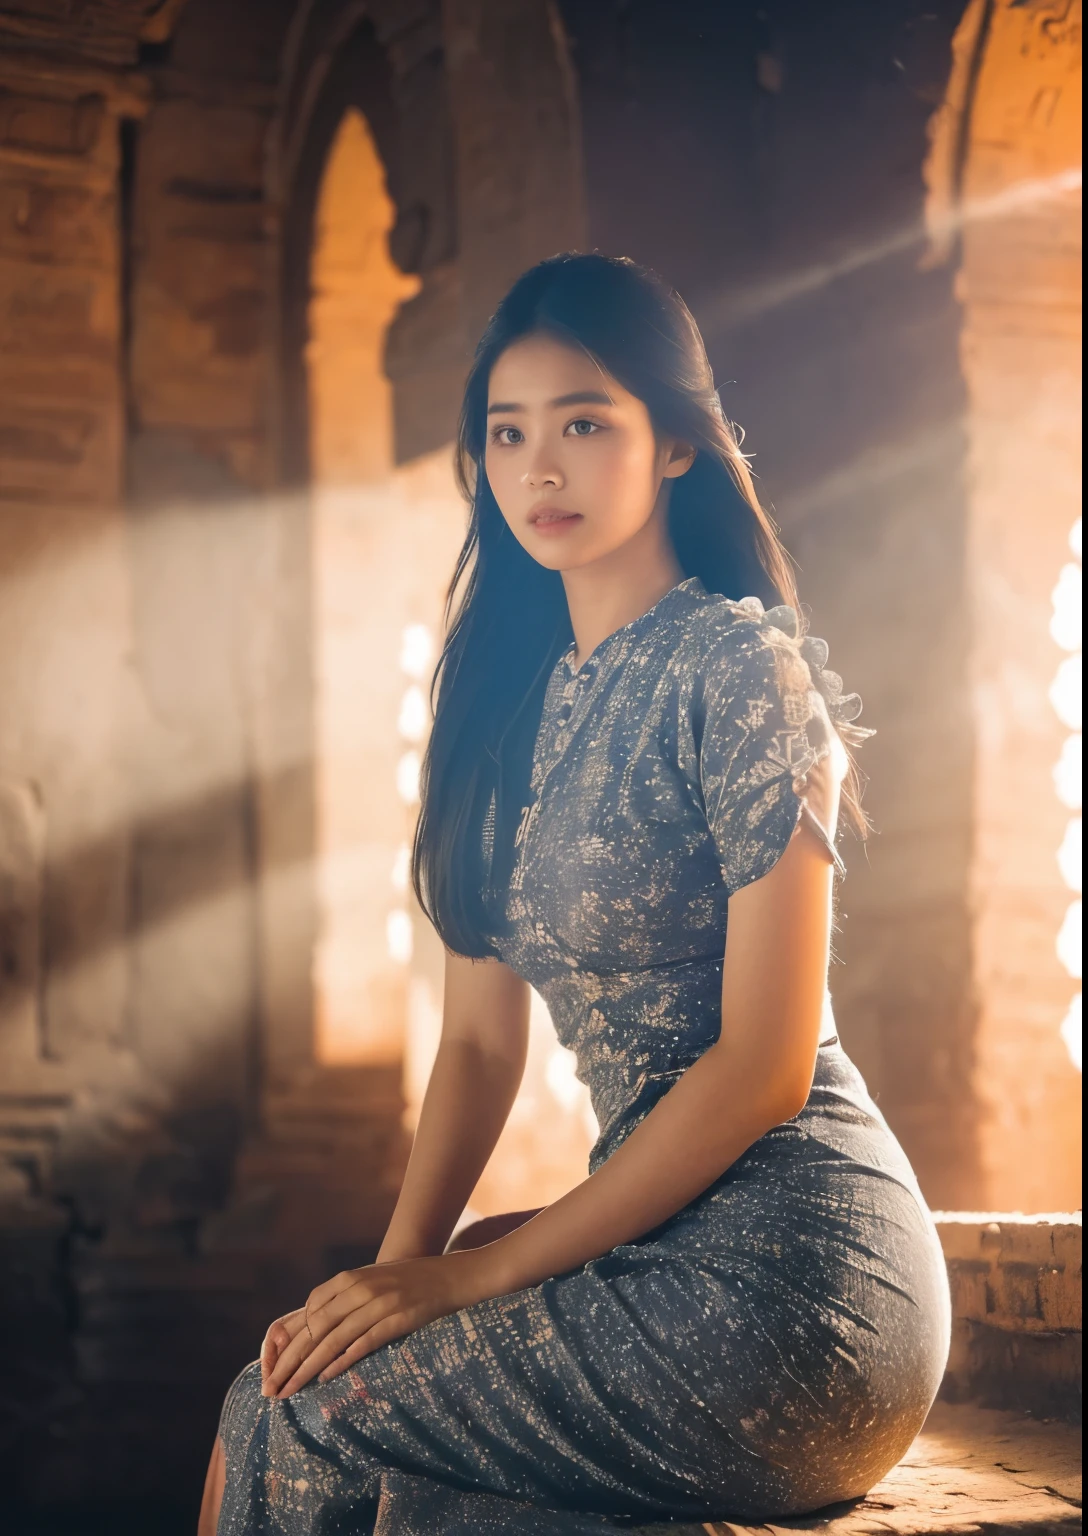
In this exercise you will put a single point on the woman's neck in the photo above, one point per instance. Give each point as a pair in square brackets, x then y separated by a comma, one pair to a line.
[613, 591]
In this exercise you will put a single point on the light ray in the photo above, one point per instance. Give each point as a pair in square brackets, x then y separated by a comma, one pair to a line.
[723, 312]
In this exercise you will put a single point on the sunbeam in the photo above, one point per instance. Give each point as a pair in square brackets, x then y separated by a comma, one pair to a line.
[720, 313]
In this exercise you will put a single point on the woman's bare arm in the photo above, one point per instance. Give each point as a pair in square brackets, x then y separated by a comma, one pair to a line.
[476, 1074]
[755, 1076]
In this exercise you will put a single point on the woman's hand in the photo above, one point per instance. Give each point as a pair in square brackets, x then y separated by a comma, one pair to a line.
[359, 1310]
[279, 1335]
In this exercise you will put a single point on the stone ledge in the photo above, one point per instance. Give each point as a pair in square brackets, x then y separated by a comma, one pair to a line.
[1012, 1271]
[1016, 1285]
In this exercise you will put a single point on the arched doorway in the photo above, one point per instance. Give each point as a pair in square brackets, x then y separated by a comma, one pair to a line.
[365, 543]
[383, 537]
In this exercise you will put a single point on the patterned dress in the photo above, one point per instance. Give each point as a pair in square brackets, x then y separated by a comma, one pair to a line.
[773, 1347]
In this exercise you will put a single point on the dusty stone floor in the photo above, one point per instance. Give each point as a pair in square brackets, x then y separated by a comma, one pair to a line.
[971, 1470]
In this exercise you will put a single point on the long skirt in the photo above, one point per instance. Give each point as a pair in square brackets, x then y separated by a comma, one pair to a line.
[771, 1349]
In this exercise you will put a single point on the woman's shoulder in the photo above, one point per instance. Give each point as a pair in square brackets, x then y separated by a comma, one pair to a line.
[724, 635]
[740, 647]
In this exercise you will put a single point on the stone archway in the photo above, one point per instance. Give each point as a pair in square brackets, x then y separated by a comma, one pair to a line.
[382, 541]
[162, 834]
[378, 308]
[228, 172]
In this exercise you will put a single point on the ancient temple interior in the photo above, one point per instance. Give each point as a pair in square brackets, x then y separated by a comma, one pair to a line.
[246, 248]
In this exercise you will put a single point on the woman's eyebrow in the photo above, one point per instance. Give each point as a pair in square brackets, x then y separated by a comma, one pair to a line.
[579, 397]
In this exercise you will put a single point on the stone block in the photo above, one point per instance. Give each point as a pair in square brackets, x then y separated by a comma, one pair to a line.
[22, 854]
[59, 225]
[48, 124]
[33, 1291]
[1016, 1305]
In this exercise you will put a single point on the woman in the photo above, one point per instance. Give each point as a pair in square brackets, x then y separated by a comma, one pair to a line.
[742, 1312]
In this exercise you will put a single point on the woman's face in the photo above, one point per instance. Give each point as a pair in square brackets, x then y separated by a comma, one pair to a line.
[571, 455]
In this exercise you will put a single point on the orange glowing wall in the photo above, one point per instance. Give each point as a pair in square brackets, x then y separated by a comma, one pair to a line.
[1019, 201]
[384, 543]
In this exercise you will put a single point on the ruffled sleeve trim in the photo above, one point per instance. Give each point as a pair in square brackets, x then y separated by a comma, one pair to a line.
[768, 719]
[843, 708]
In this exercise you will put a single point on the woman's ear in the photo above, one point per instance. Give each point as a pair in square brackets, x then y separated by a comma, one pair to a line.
[681, 458]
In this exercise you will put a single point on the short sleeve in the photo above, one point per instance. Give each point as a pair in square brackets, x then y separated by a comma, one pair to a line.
[762, 725]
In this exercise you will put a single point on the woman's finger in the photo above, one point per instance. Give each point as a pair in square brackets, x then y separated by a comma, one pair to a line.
[393, 1327]
[295, 1324]
[274, 1340]
[324, 1293]
[351, 1329]
[279, 1335]
[336, 1342]
[289, 1360]
[313, 1324]
[324, 1318]
[311, 1331]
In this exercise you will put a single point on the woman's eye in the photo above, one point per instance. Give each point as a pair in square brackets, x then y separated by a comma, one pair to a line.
[582, 428]
[508, 437]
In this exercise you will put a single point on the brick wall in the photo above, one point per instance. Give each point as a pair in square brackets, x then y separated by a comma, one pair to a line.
[1019, 283]
[175, 1165]
[1016, 1286]
[909, 401]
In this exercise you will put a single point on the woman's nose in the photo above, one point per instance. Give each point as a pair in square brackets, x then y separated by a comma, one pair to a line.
[541, 473]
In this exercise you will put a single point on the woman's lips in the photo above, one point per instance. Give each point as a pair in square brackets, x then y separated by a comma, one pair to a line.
[553, 520]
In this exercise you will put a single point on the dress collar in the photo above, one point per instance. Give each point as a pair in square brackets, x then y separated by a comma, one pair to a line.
[691, 585]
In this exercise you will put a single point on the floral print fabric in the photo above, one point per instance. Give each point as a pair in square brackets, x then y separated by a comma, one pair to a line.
[663, 781]
[776, 1344]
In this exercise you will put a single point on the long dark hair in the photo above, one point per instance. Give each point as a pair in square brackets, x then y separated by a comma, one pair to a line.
[506, 615]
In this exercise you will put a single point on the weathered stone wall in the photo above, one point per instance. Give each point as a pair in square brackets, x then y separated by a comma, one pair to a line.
[1019, 283]
[66, 690]
[175, 1163]
[64, 610]
[847, 352]
[770, 163]
[1017, 1310]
